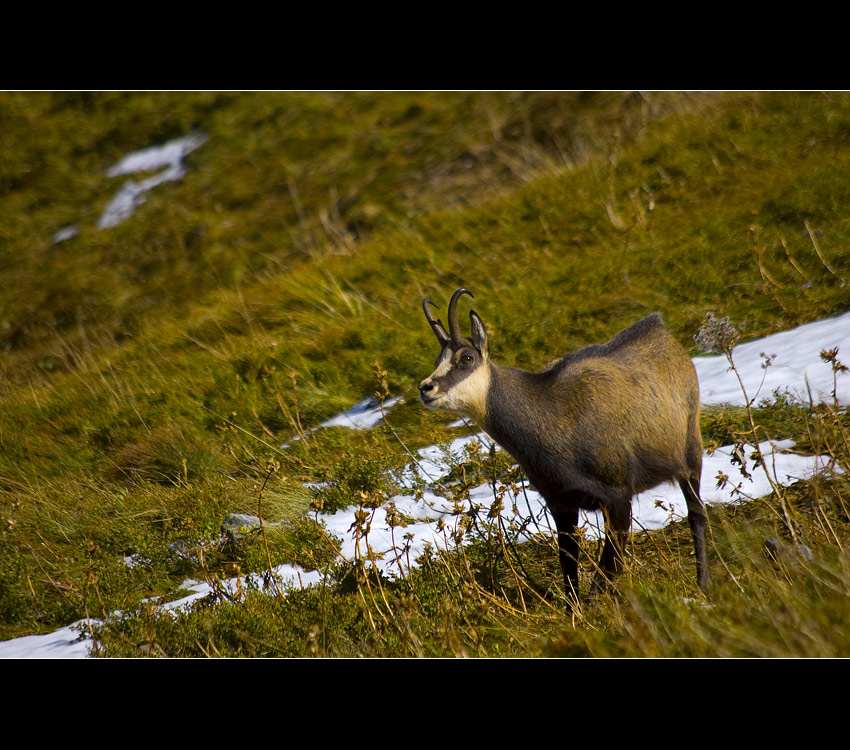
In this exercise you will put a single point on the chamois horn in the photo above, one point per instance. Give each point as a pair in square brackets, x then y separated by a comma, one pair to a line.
[436, 325]
[454, 328]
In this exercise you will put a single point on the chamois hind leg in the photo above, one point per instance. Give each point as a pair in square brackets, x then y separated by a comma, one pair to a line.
[618, 521]
[566, 522]
[697, 522]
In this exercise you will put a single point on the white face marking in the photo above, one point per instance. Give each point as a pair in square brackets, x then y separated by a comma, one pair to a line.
[467, 397]
[444, 365]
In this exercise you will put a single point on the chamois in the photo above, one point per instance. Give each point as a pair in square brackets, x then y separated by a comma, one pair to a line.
[590, 430]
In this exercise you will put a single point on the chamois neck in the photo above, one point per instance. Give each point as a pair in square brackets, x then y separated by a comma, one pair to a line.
[510, 405]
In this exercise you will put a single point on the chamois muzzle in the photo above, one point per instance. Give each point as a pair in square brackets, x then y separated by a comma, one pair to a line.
[425, 389]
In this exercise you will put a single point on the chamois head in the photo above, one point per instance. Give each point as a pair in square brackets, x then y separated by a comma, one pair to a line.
[460, 382]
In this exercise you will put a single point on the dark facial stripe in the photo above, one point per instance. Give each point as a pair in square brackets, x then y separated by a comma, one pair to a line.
[459, 370]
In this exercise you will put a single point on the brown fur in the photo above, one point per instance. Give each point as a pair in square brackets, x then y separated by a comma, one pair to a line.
[591, 429]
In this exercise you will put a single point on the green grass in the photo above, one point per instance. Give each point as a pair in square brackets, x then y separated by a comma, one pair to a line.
[151, 371]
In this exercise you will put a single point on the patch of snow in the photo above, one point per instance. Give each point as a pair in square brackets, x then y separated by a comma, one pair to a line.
[168, 154]
[362, 416]
[797, 366]
[434, 462]
[650, 510]
[132, 194]
[71, 642]
[287, 576]
[65, 233]
[655, 508]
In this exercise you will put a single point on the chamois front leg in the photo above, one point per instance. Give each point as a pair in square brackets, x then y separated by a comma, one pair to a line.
[566, 522]
[618, 521]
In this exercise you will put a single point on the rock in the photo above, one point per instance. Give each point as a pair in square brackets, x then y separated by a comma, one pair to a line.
[780, 552]
[237, 525]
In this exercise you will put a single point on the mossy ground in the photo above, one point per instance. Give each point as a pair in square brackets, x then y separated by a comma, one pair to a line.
[151, 371]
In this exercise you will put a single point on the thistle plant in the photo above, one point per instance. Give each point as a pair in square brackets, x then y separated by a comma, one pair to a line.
[719, 336]
[830, 356]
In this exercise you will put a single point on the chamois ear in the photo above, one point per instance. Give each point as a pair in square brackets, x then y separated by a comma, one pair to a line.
[479, 334]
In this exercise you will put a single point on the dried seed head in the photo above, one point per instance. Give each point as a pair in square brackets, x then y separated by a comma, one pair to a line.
[831, 356]
[717, 335]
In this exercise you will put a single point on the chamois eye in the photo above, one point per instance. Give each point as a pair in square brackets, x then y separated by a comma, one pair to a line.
[466, 359]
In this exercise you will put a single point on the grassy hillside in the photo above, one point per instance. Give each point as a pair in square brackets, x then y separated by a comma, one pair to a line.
[151, 371]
